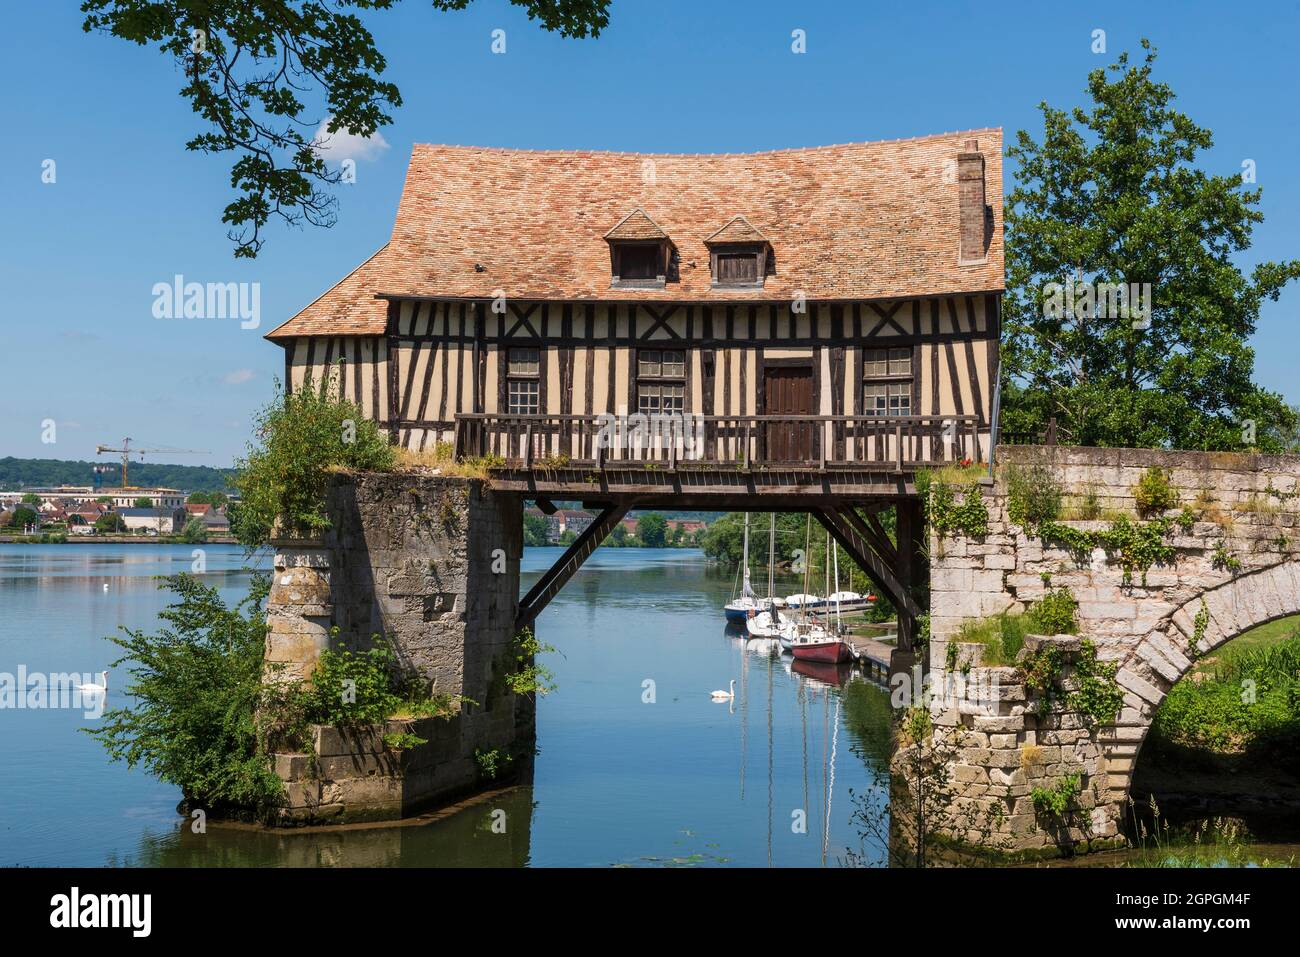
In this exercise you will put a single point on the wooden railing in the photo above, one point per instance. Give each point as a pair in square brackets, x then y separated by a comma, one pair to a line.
[893, 443]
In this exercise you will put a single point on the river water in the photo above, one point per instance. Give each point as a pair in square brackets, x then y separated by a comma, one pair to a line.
[637, 765]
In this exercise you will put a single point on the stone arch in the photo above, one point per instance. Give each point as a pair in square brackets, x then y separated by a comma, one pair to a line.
[1163, 656]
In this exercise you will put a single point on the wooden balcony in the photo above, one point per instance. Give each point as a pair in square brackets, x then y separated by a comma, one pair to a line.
[709, 459]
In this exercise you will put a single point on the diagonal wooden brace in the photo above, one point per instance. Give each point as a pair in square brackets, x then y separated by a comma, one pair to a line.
[549, 585]
[878, 569]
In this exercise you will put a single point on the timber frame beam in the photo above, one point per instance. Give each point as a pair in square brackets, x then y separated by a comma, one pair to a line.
[555, 578]
[847, 528]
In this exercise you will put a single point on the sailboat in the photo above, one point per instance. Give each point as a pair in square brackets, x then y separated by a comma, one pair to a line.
[810, 640]
[746, 604]
[768, 623]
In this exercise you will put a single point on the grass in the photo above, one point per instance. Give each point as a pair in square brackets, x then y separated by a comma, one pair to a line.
[442, 458]
[1242, 702]
[957, 475]
[1263, 636]
[1259, 505]
[1001, 635]
[1213, 842]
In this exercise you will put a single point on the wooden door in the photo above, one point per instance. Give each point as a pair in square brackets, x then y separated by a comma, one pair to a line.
[788, 390]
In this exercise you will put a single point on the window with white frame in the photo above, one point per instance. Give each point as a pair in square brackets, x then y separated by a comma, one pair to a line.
[887, 382]
[523, 381]
[661, 381]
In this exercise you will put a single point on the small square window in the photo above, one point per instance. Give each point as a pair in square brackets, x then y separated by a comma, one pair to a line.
[887, 398]
[523, 396]
[664, 399]
[661, 364]
[886, 362]
[524, 362]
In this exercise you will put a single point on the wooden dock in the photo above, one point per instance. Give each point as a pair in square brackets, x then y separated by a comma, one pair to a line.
[872, 654]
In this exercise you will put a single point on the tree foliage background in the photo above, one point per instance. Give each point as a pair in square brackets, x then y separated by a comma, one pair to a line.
[262, 75]
[1112, 193]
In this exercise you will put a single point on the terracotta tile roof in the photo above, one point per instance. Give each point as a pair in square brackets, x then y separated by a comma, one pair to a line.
[636, 225]
[739, 230]
[858, 221]
[348, 309]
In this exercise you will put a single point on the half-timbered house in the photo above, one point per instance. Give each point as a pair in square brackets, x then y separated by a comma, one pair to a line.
[828, 317]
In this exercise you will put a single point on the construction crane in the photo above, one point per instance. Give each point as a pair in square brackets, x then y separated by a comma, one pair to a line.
[126, 452]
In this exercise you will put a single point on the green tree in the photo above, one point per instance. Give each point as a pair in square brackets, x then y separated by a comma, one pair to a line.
[194, 531]
[196, 691]
[110, 522]
[24, 516]
[652, 529]
[535, 529]
[143, 502]
[31, 498]
[215, 499]
[1113, 195]
[617, 537]
[251, 70]
[300, 437]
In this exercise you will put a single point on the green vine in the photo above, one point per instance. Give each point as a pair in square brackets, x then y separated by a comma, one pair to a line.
[1057, 801]
[1042, 671]
[1224, 560]
[1135, 545]
[1199, 624]
[1096, 696]
[970, 518]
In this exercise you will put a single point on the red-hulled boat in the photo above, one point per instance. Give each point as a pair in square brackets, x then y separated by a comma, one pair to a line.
[830, 650]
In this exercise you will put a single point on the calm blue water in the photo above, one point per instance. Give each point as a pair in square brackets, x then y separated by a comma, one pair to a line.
[619, 780]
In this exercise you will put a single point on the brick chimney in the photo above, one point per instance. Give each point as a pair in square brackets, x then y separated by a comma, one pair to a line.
[970, 201]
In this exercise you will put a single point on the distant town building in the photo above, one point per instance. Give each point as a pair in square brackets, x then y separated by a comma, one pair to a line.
[70, 496]
[160, 521]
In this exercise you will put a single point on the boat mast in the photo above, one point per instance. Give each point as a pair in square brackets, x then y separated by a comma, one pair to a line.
[745, 589]
[771, 561]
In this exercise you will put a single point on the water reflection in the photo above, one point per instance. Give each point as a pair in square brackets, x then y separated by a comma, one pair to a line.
[623, 778]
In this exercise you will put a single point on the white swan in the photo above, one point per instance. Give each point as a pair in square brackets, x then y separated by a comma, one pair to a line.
[95, 689]
[721, 695]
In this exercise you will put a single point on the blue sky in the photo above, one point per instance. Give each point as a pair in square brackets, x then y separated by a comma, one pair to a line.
[131, 208]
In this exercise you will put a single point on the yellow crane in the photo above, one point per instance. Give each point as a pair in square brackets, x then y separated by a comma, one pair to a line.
[126, 452]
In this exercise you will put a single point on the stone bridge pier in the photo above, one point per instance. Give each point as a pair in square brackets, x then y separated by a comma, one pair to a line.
[432, 565]
[1235, 564]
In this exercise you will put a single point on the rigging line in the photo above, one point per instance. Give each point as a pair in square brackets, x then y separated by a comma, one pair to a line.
[803, 720]
[769, 760]
[744, 714]
[830, 787]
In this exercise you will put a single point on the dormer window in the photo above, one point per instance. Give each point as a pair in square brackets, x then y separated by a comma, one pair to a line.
[640, 264]
[640, 253]
[739, 255]
[736, 267]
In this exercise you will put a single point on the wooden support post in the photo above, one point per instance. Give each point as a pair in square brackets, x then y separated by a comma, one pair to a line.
[909, 528]
[747, 437]
[528, 446]
[881, 572]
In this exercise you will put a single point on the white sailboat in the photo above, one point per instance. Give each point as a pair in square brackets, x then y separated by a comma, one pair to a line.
[768, 623]
[746, 604]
